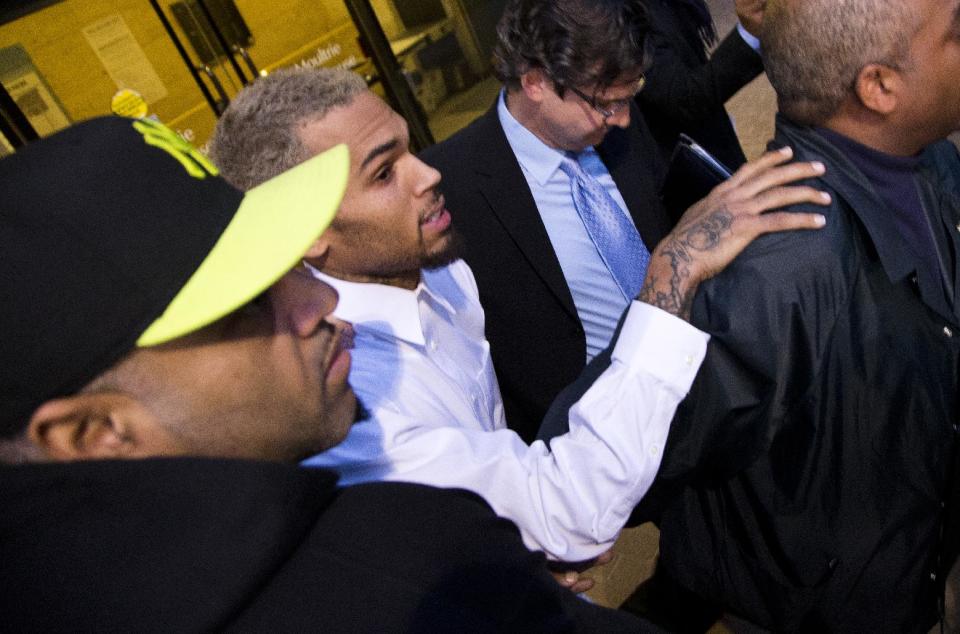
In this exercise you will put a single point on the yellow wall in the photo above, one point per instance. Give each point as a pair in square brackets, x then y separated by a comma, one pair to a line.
[54, 40]
[318, 33]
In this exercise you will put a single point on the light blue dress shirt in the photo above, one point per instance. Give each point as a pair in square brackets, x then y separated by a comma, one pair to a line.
[596, 295]
[752, 41]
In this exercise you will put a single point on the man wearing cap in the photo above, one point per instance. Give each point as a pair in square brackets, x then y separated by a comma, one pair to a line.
[421, 363]
[162, 362]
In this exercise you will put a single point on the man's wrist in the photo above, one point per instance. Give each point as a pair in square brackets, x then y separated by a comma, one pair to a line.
[669, 285]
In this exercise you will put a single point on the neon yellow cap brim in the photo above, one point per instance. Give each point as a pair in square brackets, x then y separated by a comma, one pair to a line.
[274, 226]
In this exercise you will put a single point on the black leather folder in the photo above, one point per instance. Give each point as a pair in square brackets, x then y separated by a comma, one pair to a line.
[692, 173]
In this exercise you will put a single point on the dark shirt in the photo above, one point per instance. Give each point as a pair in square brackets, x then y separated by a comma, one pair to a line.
[197, 545]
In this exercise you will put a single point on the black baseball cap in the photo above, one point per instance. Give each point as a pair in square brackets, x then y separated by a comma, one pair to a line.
[116, 233]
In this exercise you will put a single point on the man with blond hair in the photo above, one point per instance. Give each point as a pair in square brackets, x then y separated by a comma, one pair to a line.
[421, 363]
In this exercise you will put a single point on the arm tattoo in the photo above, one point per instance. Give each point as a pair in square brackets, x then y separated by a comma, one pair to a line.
[672, 299]
[675, 295]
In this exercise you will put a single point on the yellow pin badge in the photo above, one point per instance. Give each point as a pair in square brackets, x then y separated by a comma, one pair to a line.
[129, 103]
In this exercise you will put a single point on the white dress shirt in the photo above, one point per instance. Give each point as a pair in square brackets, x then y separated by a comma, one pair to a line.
[422, 367]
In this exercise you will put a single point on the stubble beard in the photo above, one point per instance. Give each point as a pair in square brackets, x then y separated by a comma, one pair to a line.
[447, 254]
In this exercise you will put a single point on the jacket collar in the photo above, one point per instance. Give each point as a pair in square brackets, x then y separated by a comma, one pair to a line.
[535, 156]
[897, 256]
[854, 188]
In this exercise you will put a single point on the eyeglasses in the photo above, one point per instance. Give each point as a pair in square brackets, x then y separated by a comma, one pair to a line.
[612, 107]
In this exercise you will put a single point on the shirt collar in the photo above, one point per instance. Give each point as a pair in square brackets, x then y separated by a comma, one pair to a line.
[389, 310]
[536, 157]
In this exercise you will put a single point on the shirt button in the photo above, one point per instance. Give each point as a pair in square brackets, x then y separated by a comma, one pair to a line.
[947, 331]
[689, 360]
[433, 345]
[654, 450]
[933, 576]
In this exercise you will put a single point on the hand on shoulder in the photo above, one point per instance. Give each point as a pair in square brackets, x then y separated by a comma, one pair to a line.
[717, 229]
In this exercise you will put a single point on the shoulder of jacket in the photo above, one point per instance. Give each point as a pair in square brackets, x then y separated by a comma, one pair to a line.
[791, 264]
[459, 144]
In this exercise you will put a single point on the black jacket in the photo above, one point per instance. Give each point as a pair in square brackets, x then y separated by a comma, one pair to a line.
[808, 475]
[536, 339]
[190, 545]
[686, 90]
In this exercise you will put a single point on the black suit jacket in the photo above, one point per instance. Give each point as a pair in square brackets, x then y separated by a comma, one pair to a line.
[536, 339]
[685, 90]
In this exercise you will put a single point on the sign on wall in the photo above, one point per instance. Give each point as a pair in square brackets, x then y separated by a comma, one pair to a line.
[122, 57]
[27, 88]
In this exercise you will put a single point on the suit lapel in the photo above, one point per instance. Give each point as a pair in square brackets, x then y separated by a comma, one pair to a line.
[502, 184]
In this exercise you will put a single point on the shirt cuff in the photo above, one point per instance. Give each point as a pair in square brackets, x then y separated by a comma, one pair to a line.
[658, 343]
[751, 41]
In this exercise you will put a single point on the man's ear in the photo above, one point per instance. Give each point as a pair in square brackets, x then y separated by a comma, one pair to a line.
[316, 255]
[878, 87]
[92, 426]
[534, 83]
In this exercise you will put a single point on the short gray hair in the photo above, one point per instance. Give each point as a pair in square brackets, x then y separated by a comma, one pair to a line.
[258, 136]
[814, 50]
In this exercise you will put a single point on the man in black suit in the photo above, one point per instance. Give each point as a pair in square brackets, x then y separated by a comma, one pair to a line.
[553, 286]
[686, 89]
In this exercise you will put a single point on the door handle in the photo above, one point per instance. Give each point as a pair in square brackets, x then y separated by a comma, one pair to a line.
[224, 100]
[239, 50]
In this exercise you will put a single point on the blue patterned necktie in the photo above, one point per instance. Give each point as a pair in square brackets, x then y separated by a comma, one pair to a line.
[611, 231]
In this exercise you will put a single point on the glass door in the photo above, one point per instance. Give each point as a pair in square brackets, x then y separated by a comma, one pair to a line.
[181, 61]
[227, 44]
[77, 59]
[443, 48]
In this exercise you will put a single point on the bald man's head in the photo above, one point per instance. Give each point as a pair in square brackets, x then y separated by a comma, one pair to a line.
[814, 49]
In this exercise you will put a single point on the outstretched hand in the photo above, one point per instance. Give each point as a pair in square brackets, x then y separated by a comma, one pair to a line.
[715, 230]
